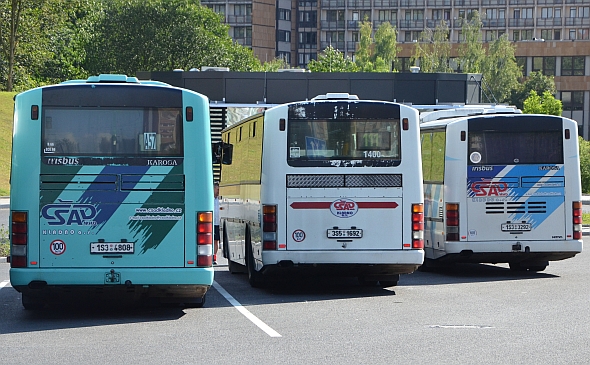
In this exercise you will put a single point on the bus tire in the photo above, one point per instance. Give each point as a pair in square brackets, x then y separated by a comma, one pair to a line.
[199, 304]
[516, 266]
[32, 303]
[390, 282]
[254, 277]
[367, 282]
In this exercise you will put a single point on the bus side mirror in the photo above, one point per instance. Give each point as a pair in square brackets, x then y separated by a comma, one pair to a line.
[222, 153]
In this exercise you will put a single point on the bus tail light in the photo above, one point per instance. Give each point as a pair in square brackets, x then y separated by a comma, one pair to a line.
[452, 221]
[19, 239]
[418, 226]
[205, 239]
[577, 219]
[269, 227]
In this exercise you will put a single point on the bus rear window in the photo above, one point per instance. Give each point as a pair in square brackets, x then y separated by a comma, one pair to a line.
[355, 139]
[112, 132]
[508, 148]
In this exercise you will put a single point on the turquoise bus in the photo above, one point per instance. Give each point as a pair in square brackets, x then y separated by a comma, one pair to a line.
[111, 191]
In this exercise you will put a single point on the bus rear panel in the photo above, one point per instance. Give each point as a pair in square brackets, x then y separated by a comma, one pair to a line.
[337, 188]
[102, 190]
[511, 192]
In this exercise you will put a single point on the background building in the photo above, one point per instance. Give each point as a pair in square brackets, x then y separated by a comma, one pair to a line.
[552, 36]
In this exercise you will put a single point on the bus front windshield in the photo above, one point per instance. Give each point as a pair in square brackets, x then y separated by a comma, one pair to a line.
[343, 139]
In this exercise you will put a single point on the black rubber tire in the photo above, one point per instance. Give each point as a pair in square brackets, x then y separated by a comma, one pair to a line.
[32, 303]
[363, 281]
[391, 282]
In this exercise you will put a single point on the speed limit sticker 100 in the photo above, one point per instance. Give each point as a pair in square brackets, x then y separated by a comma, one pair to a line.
[57, 247]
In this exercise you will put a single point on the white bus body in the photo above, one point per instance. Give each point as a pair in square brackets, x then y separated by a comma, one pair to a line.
[501, 188]
[327, 185]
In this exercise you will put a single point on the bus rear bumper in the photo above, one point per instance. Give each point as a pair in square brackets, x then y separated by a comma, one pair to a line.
[354, 262]
[152, 282]
[508, 251]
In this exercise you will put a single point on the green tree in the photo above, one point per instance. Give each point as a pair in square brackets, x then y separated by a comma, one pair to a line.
[40, 41]
[379, 53]
[162, 35]
[433, 51]
[584, 164]
[532, 104]
[546, 104]
[471, 52]
[332, 60]
[537, 82]
[386, 48]
[365, 47]
[500, 71]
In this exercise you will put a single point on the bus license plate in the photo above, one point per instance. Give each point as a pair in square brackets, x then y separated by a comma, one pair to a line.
[345, 233]
[111, 247]
[510, 227]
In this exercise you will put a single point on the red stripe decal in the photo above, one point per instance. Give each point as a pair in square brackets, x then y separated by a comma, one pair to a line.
[311, 205]
[326, 205]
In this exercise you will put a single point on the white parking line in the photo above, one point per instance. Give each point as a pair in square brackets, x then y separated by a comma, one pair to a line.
[3, 284]
[263, 326]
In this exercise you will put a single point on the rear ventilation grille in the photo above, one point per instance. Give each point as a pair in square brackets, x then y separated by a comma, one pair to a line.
[341, 181]
[516, 207]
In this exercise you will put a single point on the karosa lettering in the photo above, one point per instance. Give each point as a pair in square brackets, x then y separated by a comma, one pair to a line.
[162, 163]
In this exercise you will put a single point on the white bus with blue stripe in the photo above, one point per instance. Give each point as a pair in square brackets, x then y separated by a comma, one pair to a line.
[501, 188]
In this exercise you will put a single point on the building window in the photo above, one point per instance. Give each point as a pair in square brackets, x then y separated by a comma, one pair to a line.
[521, 62]
[547, 34]
[240, 10]
[308, 18]
[544, 64]
[308, 38]
[403, 64]
[572, 66]
[284, 36]
[582, 34]
[285, 56]
[219, 9]
[572, 100]
[284, 14]
[355, 36]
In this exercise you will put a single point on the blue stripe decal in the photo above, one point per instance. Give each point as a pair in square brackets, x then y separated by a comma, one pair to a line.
[519, 183]
[98, 198]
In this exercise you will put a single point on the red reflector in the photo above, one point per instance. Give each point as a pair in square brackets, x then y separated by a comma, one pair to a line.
[577, 220]
[269, 245]
[269, 227]
[452, 214]
[269, 218]
[204, 239]
[19, 239]
[418, 217]
[417, 226]
[205, 228]
[453, 222]
[577, 235]
[205, 261]
[577, 212]
[19, 227]
[18, 261]
[418, 244]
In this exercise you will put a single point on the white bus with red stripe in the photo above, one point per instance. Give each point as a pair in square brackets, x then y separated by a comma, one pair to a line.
[327, 186]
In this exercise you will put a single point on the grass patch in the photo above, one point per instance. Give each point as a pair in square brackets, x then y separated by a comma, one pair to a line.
[6, 115]
[585, 218]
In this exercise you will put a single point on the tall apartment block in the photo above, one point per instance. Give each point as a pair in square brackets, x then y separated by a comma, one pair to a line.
[552, 36]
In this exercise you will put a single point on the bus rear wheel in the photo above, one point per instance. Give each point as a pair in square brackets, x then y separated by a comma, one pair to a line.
[32, 303]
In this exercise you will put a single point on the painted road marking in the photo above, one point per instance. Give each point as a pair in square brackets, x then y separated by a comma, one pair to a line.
[3, 284]
[263, 326]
